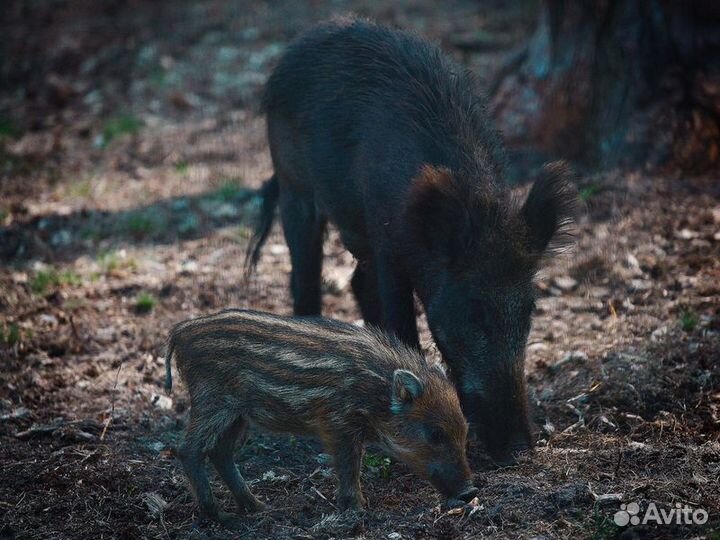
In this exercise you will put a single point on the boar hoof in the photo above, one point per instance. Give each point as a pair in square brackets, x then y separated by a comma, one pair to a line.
[252, 505]
[228, 520]
[258, 506]
[350, 502]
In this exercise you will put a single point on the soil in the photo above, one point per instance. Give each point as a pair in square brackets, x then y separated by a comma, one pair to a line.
[131, 147]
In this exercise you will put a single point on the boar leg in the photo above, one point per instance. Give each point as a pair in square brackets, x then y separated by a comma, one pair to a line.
[222, 459]
[364, 285]
[348, 457]
[304, 230]
[398, 303]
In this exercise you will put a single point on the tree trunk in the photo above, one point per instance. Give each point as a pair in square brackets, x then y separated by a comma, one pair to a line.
[611, 82]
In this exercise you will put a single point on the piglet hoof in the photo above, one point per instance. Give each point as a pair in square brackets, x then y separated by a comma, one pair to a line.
[462, 498]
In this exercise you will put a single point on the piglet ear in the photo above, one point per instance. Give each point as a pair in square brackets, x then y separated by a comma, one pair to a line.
[436, 214]
[440, 368]
[406, 389]
[551, 209]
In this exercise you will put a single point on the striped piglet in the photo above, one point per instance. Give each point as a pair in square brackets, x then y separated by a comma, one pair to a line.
[311, 376]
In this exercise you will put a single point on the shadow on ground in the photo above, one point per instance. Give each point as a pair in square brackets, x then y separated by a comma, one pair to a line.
[61, 238]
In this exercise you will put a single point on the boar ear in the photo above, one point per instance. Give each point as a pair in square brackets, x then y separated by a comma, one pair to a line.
[550, 210]
[436, 213]
[406, 388]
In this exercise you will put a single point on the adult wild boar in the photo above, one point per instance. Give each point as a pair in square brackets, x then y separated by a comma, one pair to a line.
[377, 131]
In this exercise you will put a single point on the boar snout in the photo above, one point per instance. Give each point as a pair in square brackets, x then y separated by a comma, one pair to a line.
[468, 494]
[501, 423]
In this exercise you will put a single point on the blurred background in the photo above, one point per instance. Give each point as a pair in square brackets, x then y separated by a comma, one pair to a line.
[604, 84]
[131, 145]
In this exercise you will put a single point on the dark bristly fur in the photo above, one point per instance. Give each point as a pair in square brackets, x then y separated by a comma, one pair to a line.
[269, 194]
[380, 133]
[345, 384]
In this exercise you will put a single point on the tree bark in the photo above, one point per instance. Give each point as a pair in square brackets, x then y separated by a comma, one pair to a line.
[612, 82]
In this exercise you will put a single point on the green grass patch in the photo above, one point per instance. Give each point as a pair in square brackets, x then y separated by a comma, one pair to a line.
[48, 278]
[143, 224]
[11, 334]
[602, 527]
[688, 321]
[144, 303]
[605, 529]
[125, 124]
[112, 261]
[7, 128]
[109, 261]
[228, 192]
[590, 191]
[41, 281]
[182, 168]
[377, 464]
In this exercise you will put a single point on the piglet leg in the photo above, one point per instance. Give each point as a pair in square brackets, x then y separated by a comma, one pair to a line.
[348, 457]
[222, 459]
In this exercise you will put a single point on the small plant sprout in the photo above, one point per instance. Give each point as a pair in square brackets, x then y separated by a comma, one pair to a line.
[228, 191]
[144, 303]
[182, 168]
[591, 190]
[125, 124]
[688, 321]
[49, 277]
[10, 335]
[377, 464]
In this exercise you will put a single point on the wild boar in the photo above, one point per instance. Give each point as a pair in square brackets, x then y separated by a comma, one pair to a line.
[380, 133]
[344, 384]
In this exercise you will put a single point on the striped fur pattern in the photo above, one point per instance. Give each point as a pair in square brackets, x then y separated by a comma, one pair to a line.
[312, 376]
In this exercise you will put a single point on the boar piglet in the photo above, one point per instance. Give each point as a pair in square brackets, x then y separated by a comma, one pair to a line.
[344, 384]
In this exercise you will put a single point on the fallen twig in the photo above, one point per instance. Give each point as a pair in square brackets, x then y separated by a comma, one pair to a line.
[112, 404]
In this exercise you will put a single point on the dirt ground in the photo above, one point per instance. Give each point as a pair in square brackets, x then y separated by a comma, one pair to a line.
[130, 146]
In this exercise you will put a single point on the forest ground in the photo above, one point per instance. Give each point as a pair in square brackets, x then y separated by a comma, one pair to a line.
[128, 173]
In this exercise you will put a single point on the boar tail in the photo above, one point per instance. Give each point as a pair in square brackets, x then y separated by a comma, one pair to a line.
[269, 192]
[168, 364]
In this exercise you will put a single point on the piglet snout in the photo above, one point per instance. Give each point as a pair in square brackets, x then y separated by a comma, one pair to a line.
[462, 498]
